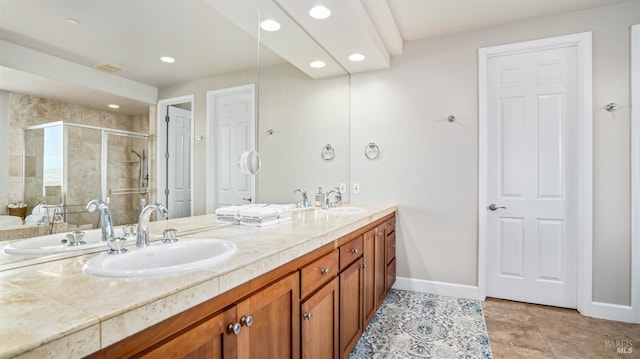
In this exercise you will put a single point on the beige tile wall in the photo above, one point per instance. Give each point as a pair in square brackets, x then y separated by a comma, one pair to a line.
[25, 111]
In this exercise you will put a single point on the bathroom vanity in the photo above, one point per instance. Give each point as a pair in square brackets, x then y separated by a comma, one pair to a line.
[289, 290]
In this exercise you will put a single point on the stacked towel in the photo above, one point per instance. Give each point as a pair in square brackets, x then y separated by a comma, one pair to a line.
[265, 215]
[38, 215]
[231, 214]
[254, 214]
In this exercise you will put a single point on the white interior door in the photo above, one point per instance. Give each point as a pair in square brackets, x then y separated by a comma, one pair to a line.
[234, 123]
[532, 156]
[179, 163]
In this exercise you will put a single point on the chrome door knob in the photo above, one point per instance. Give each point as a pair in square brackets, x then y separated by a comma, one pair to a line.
[493, 207]
[234, 328]
[247, 321]
[307, 316]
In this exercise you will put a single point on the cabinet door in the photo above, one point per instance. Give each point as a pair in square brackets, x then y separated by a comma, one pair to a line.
[210, 339]
[351, 288]
[391, 247]
[391, 274]
[380, 264]
[271, 322]
[320, 323]
[369, 292]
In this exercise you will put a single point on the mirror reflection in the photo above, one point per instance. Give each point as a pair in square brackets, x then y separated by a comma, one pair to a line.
[293, 110]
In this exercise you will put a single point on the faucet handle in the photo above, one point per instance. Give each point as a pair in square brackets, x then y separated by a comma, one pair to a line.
[169, 236]
[116, 245]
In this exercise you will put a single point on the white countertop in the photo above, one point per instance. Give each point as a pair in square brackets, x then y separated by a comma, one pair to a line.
[53, 309]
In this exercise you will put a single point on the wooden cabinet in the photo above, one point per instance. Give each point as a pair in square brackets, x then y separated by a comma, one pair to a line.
[264, 325]
[369, 277]
[391, 253]
[319, 272]
[319, 329]
[270, 321]
[350, 251]
[351, 290]
[316, 306]
[380, 263]
[209, 340]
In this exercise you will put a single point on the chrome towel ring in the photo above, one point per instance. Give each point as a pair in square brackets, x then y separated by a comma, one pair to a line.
[328, 152]
[371, 151]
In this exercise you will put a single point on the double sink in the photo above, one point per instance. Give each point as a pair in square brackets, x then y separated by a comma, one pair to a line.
[156, 259]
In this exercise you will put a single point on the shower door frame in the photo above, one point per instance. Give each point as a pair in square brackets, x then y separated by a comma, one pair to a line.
[104, 132]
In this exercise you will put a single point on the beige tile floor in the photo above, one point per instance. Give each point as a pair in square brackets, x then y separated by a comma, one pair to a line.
[520, 330]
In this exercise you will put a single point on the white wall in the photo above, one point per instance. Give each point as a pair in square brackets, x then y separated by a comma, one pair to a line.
[4, 150]
[305, 115]
[429, 166]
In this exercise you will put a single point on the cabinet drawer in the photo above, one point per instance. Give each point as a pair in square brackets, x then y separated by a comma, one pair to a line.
[318, 272]
[391, 246]
[351, 251]
[391, 274]
[391, 225]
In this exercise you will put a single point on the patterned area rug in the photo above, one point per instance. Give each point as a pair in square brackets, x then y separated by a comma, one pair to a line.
[419, 325]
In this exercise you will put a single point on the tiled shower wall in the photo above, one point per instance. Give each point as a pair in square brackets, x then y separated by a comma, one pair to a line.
[25, 111]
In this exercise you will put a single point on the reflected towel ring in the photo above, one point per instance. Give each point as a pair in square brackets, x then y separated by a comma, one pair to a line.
[371, 151]
[328, 152]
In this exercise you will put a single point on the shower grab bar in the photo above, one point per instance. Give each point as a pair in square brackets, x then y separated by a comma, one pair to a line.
[116, 191]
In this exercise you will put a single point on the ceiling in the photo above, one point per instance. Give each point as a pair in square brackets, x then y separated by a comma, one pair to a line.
[206, 41]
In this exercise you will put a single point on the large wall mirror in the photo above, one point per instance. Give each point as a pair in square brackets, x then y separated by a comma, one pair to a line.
[296, 109]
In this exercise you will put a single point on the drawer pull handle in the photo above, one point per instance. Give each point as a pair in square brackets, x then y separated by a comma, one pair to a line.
[379, 234]
[234, 328]
[307, 316]
[354, 251]
[324, 271]
[247, 321]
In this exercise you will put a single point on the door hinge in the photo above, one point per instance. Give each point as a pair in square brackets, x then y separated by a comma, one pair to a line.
[166, 155]
[166, 191]
[166, 118]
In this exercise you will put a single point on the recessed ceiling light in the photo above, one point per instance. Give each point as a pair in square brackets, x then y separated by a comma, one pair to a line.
[317, 64]
[356, 57]
[319, 12]
[167, 59]
[73, 21]
[270, 25]
[113, 105]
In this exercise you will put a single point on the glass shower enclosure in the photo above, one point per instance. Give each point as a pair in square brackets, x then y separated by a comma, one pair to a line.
[66, 165]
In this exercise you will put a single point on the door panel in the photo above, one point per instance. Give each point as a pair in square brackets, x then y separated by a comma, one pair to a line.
[320, 323]
[531, 166]
[275, 329]
[234, 133]
[179, 163]
[208, 340]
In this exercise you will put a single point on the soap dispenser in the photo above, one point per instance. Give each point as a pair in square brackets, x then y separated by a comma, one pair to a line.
[319, 198]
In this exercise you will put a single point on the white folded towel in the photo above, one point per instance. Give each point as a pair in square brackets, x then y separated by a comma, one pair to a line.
[266, 211]
[230, 210]
[39, 210]
[36, 219]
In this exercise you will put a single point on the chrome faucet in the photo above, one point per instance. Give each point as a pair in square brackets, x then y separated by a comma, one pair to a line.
[338, 202]
[305, 200]
[143, 222]
[105, 218]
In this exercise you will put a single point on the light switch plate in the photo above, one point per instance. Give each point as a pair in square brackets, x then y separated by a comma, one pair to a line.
[356, 188]
[343, 188]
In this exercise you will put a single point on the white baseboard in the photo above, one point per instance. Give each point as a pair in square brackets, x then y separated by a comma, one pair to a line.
[439, 288]
[620, 313]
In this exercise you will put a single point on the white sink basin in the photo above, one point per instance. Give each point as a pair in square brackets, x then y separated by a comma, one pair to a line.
[54, 243]
[162, 259]
[346, 210]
